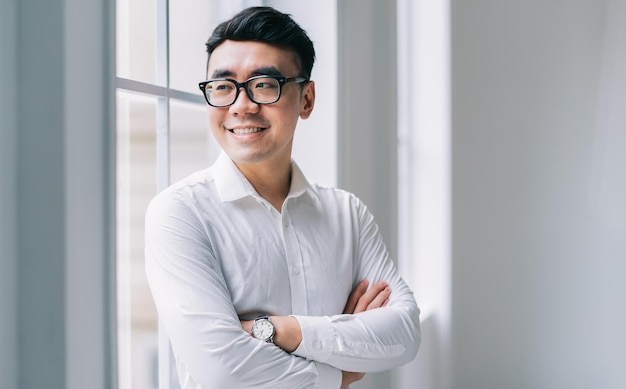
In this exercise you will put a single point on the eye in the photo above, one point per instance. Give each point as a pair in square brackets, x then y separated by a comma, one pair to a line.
[221, 87]
[265, 83]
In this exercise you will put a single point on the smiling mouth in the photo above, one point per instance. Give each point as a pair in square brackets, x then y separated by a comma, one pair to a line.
[246, 131]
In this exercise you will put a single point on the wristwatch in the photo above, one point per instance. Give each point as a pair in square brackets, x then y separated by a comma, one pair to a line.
[263, 329]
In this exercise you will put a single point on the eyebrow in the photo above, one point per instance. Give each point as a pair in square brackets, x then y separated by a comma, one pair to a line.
[264, 71]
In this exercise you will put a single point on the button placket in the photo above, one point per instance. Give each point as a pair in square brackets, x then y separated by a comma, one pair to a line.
[293, 257]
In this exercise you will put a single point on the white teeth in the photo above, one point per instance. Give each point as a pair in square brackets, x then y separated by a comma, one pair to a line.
[246, 131]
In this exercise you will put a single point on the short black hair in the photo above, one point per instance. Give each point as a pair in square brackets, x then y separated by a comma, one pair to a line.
[267, 25]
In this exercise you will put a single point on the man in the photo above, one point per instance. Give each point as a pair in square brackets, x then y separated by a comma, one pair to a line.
[261, 279]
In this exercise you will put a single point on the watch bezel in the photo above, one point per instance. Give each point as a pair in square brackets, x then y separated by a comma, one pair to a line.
[256, 323]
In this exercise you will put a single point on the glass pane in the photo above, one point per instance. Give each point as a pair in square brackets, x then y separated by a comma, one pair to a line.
[191, 23]
[192, 146]
[136, 41]
[136, 185]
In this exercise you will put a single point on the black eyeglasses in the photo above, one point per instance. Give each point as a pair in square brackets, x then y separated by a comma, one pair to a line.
[222, 92]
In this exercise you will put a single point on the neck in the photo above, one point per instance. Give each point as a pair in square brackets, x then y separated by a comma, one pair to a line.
[270, 181]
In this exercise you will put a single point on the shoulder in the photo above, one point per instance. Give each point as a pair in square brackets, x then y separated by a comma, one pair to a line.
[185, 192]
[335, 197]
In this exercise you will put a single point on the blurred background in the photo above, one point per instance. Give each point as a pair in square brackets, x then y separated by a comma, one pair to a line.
[486, 136]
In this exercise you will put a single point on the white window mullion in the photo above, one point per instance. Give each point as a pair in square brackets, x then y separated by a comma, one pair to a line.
[162, 78]
[405, 140]
[166, 359]
[163, 142]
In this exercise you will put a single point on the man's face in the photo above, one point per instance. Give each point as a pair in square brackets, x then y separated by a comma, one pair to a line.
[252, 133]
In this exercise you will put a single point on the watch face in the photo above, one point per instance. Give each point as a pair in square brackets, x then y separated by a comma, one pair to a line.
[263, 329]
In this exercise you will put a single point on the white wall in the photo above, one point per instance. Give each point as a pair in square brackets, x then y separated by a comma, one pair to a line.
[54, 212]
[8, 310]
[366, 116]
[315, 144]
[39, 204]
[367, 108]
[539, 189]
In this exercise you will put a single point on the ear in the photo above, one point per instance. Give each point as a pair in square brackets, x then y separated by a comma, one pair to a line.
[308, 100]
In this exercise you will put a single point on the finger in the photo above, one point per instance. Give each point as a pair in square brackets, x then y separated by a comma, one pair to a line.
[380, 299]
[356, 294]
[369, 296]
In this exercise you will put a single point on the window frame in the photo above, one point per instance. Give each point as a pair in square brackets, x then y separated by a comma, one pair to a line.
[164, 95]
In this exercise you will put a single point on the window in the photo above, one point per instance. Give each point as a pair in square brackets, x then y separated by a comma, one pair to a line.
[424, 164]
[162, 136]
[424, 147]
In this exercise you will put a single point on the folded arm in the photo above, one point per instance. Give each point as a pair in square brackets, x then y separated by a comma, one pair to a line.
[289, 333]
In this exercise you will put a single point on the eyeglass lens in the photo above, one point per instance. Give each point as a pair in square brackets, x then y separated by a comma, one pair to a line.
[260, 90]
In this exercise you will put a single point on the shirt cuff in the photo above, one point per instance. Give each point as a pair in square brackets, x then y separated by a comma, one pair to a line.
[327, 376]
[318, 338]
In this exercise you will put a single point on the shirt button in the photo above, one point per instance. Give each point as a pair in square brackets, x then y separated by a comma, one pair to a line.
[317, 344]
[295, 270]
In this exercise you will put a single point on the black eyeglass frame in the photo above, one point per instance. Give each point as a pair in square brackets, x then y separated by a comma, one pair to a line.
[282, 81]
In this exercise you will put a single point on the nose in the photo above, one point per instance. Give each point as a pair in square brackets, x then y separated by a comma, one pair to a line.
[243, 104]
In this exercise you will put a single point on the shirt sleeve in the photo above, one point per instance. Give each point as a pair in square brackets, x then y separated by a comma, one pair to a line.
[198, 315]
[370, 341]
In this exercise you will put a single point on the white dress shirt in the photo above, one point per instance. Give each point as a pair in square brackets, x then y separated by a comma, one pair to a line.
[217, 252]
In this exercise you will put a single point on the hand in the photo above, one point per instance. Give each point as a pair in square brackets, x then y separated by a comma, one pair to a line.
[349, 377]
[362, 300]
[247, 326]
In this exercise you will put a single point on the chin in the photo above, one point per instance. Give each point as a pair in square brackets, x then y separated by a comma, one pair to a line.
[246, 158]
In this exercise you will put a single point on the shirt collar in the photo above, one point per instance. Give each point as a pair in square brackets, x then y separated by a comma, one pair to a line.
[232, 184]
